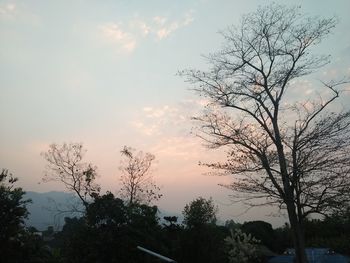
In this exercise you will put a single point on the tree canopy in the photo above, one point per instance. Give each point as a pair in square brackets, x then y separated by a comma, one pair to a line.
[18, 244]
[293, 154]
[13, 209]
[199, 212]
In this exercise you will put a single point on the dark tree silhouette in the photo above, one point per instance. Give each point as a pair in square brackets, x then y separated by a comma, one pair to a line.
[65, 164]
[111, 232]
[296, 156]
[138, 185]
[202, 240]
[199, 212]
[13, 210]
[18, 244]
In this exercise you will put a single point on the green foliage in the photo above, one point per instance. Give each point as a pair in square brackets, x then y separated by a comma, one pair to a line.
[111, 229]
[200, 212]
[106, 210]
[201, 240]
[13, 209]
[32, 249]
[262, 231]
[230, 224]
[142, 216]
[283, 238]
[332, 232]
[242, 247]
[202, 243]
[74, 241]
[110, 232]
[171, 236]
[12, 214]
[17, 243]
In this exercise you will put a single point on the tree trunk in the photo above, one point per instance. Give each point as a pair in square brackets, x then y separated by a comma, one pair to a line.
[297, 234]
[296, 227]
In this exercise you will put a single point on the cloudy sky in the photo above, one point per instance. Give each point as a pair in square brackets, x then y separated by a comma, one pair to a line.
[104, 73]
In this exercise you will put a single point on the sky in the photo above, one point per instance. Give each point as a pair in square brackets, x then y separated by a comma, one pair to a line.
[104, 73]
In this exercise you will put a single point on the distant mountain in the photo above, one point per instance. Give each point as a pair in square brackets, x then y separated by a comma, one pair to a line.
[44, 209]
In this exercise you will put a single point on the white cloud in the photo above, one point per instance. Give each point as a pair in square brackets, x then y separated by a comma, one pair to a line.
[167, 120]
[159, 20]
[188, 18]
[187, 148]
[160, 112]
[146, 129]
[147, 109]
[166, 29]
[145, 29]
[133, 31]
[19, 12]
[114, 33]
[153, 120]
[309, 91]
[8, 10]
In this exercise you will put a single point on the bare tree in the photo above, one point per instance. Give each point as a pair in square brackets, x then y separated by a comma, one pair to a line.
[65, 164]
[295, 155]
[137, 182]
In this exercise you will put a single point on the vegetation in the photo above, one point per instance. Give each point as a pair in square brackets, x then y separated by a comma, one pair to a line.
[200, 212]
[18, 244]
[292, 154]
[110, 231]
[242, 247]
[65, 164]
[137, 183]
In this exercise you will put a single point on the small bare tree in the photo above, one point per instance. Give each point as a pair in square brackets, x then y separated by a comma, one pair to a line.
[137, 182]
[65, 164]
[293, 155]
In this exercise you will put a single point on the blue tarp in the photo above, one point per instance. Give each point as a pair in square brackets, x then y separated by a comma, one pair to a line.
[314, 255]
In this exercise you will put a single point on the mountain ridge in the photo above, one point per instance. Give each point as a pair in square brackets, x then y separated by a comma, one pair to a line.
[45, 209]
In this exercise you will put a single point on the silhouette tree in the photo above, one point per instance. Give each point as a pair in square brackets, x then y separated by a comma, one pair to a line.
[110, 232]
[18, 244]
[293, 155]
[200, 212]
[261, 231]
[65, 164]
[137, 182]
[202, 240]
[13, 211]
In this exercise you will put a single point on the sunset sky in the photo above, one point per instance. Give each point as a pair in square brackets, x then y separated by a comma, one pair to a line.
[104, 73]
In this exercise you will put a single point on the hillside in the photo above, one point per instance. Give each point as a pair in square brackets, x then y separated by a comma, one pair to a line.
[44, 209]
